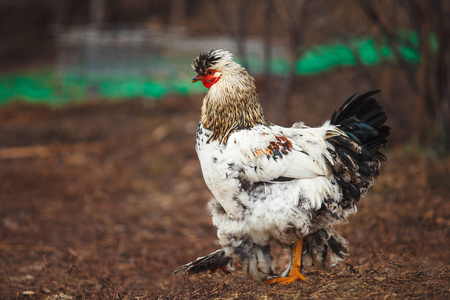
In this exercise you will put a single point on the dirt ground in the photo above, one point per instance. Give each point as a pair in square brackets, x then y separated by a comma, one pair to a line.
[105, 200]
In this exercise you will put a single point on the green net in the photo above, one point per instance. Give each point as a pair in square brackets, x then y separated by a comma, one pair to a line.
[49, 86]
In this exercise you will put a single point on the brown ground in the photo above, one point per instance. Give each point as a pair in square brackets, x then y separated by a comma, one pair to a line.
[106, 200]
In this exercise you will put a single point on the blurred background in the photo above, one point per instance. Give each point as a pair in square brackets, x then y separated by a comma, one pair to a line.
[64, 51]
[101, 191]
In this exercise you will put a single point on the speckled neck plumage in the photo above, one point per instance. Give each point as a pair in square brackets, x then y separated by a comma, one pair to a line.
[232, 104]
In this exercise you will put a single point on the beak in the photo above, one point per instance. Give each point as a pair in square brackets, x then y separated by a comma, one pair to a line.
[196, 78]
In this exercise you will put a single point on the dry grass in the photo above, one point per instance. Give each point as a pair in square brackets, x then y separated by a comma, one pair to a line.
[109, 200]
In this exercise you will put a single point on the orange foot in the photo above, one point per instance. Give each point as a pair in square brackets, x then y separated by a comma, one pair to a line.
[293, 277]
[294, 274]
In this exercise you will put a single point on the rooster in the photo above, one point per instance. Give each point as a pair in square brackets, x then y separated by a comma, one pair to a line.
[273, 184]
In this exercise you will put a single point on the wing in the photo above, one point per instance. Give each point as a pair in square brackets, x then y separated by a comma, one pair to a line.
[274, 153]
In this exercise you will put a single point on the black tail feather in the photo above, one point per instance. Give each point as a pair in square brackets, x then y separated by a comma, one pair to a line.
[356, 154]
[210, 262]
[355, 107]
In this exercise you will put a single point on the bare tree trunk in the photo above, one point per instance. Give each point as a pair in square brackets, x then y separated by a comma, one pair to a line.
[294, 17]
[242, 31]
[235, 21]
[441, 26]
[267, 52]
[178, 13]
[96, 13]
[268, 38]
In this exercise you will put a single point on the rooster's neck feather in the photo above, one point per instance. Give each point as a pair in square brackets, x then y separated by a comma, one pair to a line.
[232, 104]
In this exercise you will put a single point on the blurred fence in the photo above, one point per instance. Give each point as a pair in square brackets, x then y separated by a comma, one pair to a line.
[126, 61]
[131, 61]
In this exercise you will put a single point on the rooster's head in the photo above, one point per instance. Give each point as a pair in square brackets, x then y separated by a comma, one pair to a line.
[232, 102]
[210, 66]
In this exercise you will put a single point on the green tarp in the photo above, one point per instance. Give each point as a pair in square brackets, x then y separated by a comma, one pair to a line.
[44, 85]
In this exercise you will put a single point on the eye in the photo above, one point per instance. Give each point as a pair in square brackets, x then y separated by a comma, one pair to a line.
[210, 72]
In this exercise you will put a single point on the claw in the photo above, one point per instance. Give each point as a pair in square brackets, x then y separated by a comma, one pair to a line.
[294, 274]
[286, 280]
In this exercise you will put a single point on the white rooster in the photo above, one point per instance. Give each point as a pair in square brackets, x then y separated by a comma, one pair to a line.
[273, 184]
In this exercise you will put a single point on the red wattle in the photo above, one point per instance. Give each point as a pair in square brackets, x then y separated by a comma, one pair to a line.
[208, 84]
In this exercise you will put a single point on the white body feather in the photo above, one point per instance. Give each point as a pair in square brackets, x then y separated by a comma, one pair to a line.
[268, 211]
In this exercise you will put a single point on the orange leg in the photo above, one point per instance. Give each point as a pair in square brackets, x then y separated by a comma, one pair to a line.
[294, 274]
